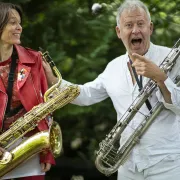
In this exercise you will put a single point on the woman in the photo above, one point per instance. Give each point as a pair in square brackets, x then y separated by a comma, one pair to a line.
[29, 85]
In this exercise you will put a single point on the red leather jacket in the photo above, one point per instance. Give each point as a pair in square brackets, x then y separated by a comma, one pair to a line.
[30, 89]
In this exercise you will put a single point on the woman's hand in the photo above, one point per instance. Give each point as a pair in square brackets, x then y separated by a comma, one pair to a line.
[51, 79]
[45, 167]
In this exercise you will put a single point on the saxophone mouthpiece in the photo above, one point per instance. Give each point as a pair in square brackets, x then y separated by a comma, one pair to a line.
[41, 49]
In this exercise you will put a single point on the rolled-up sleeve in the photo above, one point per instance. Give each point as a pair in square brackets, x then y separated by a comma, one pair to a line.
[175, 96]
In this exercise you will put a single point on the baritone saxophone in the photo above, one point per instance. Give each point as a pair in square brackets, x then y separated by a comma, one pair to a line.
[54, 98]
[110, 154]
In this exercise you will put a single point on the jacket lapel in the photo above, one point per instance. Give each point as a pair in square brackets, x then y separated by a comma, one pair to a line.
[3, 102]
[23, 65]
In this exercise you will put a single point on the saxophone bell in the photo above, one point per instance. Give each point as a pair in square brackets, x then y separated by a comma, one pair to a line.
[55, 141]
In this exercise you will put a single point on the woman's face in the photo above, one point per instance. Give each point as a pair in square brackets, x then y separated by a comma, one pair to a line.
[12, 31]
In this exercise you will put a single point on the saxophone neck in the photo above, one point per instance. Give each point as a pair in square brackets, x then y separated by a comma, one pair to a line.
[47, 58]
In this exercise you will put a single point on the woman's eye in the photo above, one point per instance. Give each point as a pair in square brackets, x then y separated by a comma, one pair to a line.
[12, 22]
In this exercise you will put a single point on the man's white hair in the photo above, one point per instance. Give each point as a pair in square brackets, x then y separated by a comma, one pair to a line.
[131, 4]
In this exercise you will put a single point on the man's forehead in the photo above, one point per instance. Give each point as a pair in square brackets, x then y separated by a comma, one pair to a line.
[138, 13]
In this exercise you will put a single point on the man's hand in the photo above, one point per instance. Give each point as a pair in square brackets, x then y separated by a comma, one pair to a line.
[45, 167]
[147, 68]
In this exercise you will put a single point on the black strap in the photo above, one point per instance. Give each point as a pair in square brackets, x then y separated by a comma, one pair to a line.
[14, 111]
[14, 57]
[139, 82]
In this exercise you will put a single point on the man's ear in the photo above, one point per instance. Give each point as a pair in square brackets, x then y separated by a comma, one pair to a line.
[118, 32]
[151, 27]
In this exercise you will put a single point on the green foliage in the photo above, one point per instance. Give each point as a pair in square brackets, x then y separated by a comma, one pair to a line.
[166, 19]
[81, 44]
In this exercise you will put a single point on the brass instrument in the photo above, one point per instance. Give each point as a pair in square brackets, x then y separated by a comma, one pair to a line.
[55, 98]
[110, 154]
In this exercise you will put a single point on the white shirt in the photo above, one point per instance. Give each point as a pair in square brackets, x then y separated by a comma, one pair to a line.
[163, 137]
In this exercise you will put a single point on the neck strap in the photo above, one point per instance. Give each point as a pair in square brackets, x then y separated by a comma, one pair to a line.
[14, 58]
[139, 82]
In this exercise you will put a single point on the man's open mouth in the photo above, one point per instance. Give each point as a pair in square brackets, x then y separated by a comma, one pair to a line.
[136, 41]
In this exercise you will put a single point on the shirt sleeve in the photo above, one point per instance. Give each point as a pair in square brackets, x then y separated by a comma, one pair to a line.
[91, 92]
[175, 96]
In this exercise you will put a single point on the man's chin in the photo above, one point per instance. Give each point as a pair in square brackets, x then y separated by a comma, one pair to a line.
[137, 52]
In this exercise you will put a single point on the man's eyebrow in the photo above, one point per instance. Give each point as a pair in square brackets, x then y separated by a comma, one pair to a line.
[127, 22]
[140, 19]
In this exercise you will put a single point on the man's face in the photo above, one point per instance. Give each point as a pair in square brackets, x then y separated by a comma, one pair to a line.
[135, 30]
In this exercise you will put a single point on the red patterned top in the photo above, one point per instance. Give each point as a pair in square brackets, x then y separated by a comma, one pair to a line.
[15, 101]
[4, 71]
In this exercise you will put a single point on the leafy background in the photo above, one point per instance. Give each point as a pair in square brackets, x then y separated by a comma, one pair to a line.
[81, 44]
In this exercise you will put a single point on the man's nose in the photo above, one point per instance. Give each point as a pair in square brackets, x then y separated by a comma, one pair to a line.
[135, 29]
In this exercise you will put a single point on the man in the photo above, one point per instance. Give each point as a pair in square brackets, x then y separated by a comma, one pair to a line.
[157, 155]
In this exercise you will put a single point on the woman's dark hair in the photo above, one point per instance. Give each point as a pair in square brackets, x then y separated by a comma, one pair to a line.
[5, 9]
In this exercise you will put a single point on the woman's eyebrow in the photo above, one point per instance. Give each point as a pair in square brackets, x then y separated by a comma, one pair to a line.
[14, 18]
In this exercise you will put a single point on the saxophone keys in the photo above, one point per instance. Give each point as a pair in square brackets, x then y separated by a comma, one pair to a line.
[136, 140]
